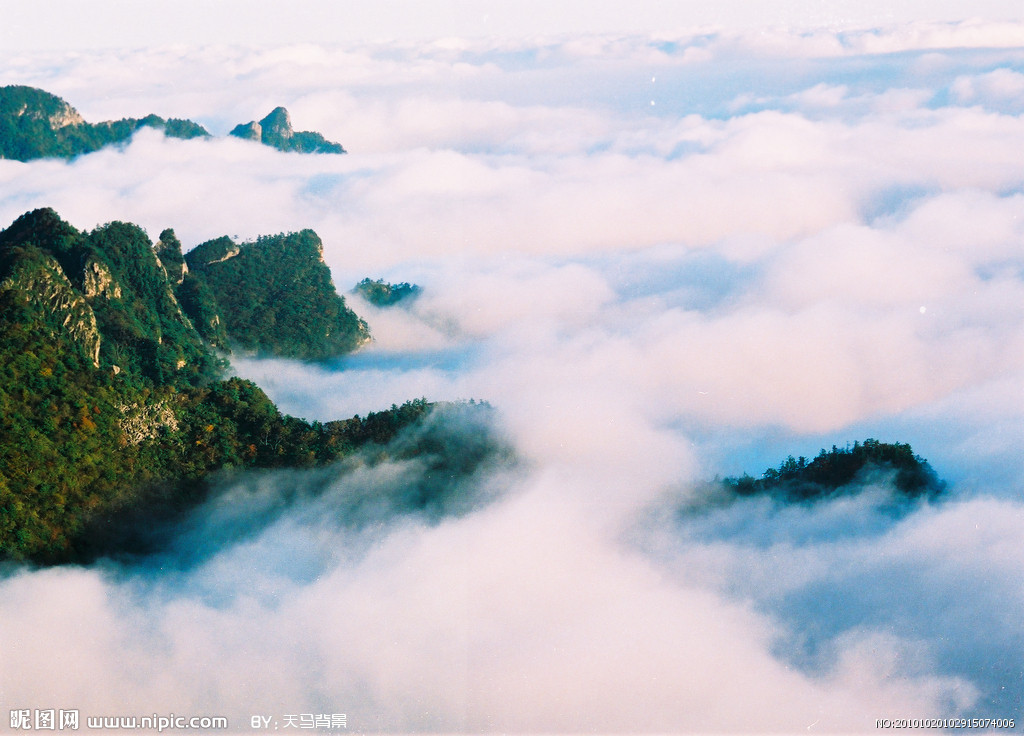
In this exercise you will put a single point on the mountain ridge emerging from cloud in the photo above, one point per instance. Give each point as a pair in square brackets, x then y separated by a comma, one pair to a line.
[37, 124]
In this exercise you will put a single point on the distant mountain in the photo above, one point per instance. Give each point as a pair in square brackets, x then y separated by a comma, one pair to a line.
[36, 124]
[276, 130]
[113, 404]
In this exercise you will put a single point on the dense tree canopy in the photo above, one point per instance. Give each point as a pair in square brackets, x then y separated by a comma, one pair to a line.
[274, 296]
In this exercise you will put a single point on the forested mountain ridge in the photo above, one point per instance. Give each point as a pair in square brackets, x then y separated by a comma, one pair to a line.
[272, 296]
[37, 124]
[109, 395]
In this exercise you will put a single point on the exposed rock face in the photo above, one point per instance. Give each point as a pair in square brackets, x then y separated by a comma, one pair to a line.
[98, 281]
[36, 124]
[44, 106]
[65, 117]
[141, 422]
[114, 406]
[42, 283]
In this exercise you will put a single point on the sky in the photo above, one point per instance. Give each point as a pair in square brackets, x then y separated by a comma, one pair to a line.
[664, 253]
[131, 23]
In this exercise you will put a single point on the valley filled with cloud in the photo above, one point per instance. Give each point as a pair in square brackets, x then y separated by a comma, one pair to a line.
[661, 259]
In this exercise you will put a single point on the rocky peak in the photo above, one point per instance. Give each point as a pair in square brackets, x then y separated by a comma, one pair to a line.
[278, 124]
[37, 124]
[273, 130]
[276, 130]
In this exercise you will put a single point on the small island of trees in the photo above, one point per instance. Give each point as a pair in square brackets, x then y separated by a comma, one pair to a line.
[840, 469]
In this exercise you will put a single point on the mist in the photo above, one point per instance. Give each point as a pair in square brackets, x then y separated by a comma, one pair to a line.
[660, 260]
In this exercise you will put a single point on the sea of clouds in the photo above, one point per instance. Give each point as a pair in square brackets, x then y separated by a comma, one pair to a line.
[660, 260]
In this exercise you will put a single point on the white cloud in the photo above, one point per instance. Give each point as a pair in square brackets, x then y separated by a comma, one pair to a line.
[515, 618]
[109, 23]
[1001, 89]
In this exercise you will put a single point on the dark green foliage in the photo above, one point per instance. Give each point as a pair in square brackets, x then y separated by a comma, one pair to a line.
[436, 452]
[305, 141]
[382, 294]
[198, 302]
[117, 291]
[842, 469]
[275, 130]
[274, 296]
[62, 453]
[212, 251]
[36, 124]
[29, 123]
[44, 229]
[233, 424]
[76, 432]
[110, 400]
[184, 129]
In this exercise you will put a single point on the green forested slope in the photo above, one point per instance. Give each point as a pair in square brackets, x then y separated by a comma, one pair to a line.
[109, 395]
[36, 124]
[274, 296]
